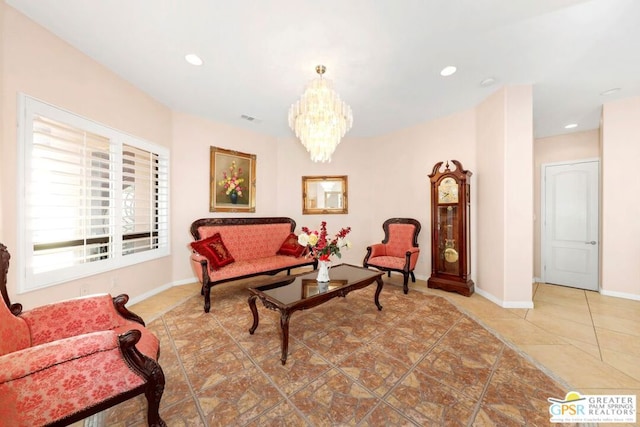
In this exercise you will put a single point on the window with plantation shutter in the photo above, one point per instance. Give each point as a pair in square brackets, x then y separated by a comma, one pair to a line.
[92, 198]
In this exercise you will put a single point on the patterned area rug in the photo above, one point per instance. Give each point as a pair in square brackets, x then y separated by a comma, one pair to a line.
[418, 362]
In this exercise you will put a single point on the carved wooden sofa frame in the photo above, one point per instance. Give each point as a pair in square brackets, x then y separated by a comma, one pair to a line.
[209, 278]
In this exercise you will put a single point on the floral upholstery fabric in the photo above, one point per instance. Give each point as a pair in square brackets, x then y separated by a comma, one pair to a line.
[254, 248]
[400, 239]
[388, 262]
[81, 316]
[250, 241]
[72, 317]
[252, 266]
[47, 383]
[14, 332]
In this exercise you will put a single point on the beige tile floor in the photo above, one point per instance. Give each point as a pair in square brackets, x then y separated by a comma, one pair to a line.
[590, 341]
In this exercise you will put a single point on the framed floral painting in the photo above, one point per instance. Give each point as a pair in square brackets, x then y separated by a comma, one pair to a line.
[232, 182]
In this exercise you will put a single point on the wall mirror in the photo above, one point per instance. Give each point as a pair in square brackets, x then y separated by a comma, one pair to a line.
[324, 195]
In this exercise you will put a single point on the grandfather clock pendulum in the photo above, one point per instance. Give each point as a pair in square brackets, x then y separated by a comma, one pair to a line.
[450, 229]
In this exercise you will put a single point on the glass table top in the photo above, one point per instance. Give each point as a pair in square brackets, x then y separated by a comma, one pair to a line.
[291, 289]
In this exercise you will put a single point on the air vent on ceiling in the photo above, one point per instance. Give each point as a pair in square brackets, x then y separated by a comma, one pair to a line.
[249, 118]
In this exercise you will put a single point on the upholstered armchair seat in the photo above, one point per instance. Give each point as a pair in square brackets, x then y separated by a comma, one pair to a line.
[398, 251]
[62, 362]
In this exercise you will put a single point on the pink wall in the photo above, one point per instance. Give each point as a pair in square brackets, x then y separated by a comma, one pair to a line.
[519, 195]
[505, 199]
[489, 198]
[3, 188]
[560, 148]
[620, 206]
[388, 175]
[39, 64]
[294, 162]
[192, 138]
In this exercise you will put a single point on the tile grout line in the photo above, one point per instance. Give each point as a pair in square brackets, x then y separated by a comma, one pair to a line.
[383, 398]
[184, 371]
[269, 379]
[593, 324]
[478, 404]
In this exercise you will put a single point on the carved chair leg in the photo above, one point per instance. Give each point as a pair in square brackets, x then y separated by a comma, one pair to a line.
[207, 300]
[153, 393]
[413, 277]
[405, 283]
[388, 273]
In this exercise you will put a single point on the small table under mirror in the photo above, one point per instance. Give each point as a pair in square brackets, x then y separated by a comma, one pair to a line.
[324, 195]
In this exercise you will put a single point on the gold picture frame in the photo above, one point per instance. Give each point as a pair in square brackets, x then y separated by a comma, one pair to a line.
[324, 195]
[231, 162]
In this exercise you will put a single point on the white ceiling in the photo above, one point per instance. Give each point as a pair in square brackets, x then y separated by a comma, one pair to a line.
[384, 56]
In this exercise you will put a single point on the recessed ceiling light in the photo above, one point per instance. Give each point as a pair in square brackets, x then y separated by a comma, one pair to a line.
[448, 70]
[487, 82]
[610, 91]
[571, 126]
[193, 59]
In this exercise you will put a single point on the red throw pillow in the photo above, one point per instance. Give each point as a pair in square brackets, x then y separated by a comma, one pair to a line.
[291, 247]
[214, 250]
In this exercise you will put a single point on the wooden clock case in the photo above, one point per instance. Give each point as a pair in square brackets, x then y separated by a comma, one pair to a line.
[450, 229]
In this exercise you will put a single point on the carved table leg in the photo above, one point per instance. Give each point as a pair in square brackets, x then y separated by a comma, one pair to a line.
[284, 325]
[254, 310]
[378, 290]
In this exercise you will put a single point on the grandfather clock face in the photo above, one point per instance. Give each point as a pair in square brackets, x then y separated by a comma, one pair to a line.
[448, 191]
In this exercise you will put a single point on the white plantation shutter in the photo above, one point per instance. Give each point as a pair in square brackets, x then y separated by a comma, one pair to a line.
[144, 200]
[69, 196]
[93, 199]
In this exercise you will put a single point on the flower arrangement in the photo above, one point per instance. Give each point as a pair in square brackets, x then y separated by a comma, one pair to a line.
[231, 181]
[320, 247]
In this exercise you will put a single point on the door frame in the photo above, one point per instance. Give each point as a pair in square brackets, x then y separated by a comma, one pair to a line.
[543, 226]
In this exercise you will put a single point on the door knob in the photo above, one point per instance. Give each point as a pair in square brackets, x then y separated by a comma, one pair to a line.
[593, 242]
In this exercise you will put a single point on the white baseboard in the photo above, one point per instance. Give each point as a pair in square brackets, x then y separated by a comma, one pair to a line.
[504, 304]
[624, 295]
[159, 289]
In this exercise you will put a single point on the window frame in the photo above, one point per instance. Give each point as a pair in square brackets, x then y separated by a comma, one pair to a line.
[28, 108]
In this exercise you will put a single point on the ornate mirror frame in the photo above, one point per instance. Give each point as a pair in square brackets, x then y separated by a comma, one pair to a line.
[324, 195]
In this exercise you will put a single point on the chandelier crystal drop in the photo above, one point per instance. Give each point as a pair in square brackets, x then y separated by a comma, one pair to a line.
[320, 118]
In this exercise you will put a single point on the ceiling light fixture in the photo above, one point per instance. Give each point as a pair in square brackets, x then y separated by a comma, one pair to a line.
[448, 70]
[487, 82]
[320, 119]
[571, 126]
[193, 59]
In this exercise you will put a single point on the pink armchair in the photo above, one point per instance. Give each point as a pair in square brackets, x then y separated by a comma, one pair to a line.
[63, 362]
[398, 251]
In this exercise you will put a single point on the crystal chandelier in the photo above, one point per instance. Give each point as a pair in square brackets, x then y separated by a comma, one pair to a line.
[320, 119]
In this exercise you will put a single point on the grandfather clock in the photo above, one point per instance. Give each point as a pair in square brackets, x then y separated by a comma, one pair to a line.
[450, 229]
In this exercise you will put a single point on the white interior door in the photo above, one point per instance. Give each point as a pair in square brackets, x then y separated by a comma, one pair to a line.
[571, 223]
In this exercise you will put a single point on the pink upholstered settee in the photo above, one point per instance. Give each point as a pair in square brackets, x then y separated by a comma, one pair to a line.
[227, 249]
[62, 362]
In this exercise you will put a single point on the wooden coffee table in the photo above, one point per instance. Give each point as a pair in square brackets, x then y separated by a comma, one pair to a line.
[287, 294]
